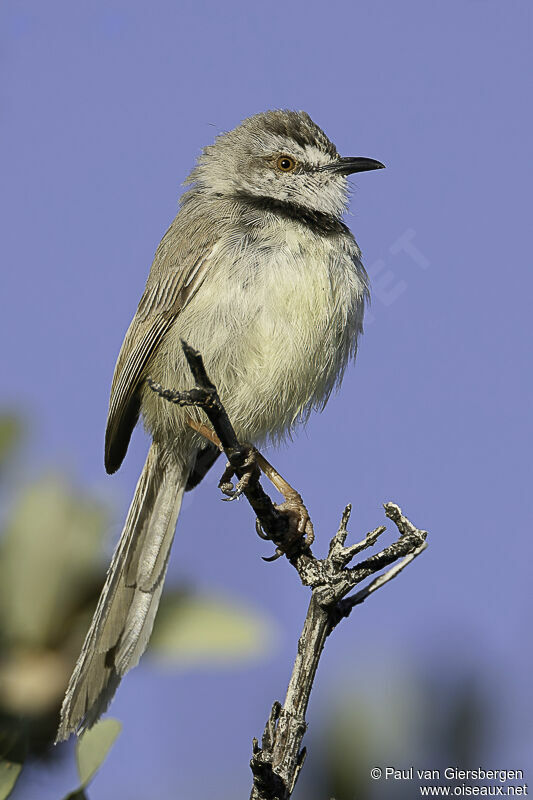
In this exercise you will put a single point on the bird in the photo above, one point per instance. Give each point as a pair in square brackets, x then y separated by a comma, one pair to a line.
[258, 272]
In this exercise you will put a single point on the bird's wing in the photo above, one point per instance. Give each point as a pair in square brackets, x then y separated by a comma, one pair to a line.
[176, 274]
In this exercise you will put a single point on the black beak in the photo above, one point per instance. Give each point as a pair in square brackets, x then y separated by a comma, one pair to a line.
[346, 166]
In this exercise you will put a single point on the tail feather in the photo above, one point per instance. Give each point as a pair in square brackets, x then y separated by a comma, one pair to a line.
[126, 610]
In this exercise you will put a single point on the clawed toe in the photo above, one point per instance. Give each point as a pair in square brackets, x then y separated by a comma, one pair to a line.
[299, 516]
[277, 554]
[300, 532]
[248, 469]
[300, 525]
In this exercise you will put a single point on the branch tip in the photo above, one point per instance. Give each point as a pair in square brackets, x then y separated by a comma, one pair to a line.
[404, 525]
[190, 353]
[392, 511]
[346, 515]
[373, 536]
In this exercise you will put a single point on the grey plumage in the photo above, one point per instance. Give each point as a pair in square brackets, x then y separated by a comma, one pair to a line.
[260, 274]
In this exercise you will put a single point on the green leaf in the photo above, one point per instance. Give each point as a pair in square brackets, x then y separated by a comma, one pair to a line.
[49, 560]
[93, 746]
[9, 772]
[192, 630]
[10, 433]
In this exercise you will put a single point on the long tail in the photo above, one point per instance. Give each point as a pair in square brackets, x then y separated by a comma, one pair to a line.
[125, 613]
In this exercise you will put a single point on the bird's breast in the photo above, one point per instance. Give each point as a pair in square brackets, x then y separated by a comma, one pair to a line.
[276, 320]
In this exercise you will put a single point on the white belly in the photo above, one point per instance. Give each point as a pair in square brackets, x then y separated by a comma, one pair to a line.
[275, 333]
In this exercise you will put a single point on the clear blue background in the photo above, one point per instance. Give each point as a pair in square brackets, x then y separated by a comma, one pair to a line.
[104, 107]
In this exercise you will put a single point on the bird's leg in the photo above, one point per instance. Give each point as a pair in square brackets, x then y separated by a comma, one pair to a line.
[205, 431]
[293, 506]
[225, 484]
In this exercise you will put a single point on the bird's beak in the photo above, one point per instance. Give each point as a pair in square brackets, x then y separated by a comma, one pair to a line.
[346, 166]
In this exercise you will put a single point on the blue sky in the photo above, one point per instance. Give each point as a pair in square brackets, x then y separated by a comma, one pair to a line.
[104, 107]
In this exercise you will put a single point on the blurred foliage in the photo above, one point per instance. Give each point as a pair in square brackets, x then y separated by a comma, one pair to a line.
[91, 751]
[10, 434]
[93, 747]
[9, 772]
[48, 562]
[191, 630]
[51, 573]
[407, 721]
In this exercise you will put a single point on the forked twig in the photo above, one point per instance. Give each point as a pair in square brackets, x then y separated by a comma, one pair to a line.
[276, 764]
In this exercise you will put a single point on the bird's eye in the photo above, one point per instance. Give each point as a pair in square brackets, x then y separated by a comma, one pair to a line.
[286, 163]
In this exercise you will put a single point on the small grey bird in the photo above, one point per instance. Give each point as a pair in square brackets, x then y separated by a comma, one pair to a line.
[260, 274]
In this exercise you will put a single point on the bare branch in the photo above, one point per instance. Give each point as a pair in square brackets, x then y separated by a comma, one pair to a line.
[326, 609]
[340, 556]
[277, 763]
[345, 606]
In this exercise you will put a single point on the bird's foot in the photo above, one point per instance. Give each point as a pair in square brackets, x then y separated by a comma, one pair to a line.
[300, 521]
[294, 507]
[249, 469]
[300, 525]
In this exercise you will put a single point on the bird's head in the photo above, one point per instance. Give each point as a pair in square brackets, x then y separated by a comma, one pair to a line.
[280, 155]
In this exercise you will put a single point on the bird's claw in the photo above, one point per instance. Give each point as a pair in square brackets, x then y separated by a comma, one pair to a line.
[249, 467]
[277, 554]
[300, 534]
[299, 521]
[259, 530]
[299, 516]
